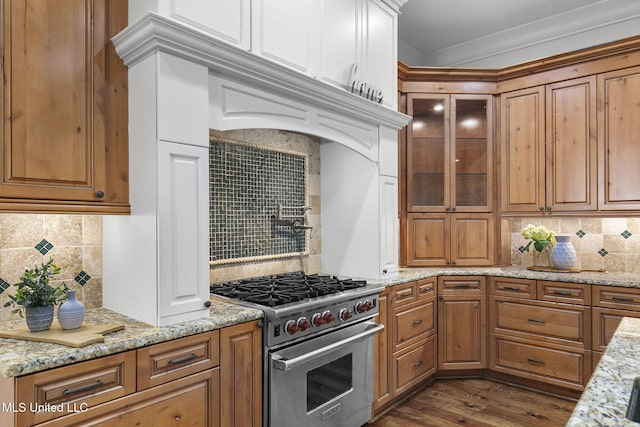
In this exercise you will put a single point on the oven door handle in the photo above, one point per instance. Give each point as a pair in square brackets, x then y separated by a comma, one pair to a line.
[289, 364]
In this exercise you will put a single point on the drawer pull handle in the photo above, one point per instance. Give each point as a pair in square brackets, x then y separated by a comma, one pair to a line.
[405, 295]
[80, 389]
[417, 322]
[425, 290]
[536, 361]
[562, 293]
[511, 288]
[624, 299]
[536, 321]
[462, 286]
[183, 359]
[418, 363]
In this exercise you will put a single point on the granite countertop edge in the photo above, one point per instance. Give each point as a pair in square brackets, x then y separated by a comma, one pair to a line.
[21, 357]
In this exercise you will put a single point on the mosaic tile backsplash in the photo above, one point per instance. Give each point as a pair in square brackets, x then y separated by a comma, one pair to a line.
[73, 241]
[306, 191]
[247, 185]
[612, 244]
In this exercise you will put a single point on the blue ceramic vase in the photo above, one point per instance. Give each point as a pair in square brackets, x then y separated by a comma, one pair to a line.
[71, 312]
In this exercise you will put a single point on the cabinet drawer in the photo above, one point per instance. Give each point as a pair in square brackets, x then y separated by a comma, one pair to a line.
[161, 363]
[448, 284]
[563, 367]
[565, 323]
[190, 401]
[426, 288]
[413, 323]
[508, 287]
[414, 365]
[605, 323]
[403, 294]
[616, 297]
[82, 385]
[572, 293]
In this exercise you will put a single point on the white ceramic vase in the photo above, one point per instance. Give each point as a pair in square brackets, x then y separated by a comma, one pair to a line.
[563, 254]
[71, 312]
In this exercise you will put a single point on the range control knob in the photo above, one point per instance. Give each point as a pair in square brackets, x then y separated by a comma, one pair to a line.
[317, 320]
[328, 317]
[345, 314]
[363, 306]
[303, 324]
[291, 327]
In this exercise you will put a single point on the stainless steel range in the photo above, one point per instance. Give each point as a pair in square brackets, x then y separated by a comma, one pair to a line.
[318, 346]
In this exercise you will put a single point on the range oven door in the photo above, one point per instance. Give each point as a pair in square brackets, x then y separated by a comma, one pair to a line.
[324, 381]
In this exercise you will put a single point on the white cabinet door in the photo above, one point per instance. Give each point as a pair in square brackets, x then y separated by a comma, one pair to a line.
[183, 234]
[340, 39]
[283, 31]
[227, 20]
[389, 225]
[380, 60]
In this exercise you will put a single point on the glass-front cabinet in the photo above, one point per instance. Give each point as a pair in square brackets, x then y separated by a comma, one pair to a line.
[449, 152]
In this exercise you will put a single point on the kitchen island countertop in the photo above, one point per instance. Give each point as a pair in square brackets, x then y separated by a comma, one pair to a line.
[604, 401]
[21, 357]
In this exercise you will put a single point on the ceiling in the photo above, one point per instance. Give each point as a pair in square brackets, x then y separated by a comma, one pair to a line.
[498, 33]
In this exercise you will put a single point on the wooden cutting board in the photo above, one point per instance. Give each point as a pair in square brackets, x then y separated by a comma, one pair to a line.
[84, 335]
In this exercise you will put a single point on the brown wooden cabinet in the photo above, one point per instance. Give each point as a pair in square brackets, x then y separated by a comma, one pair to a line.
[241, 375]
[64, 139]
[464, 239]
[548, 140]
[462, 322]
[618, 148]
[540, 331]
[406, 350]
[209, 379]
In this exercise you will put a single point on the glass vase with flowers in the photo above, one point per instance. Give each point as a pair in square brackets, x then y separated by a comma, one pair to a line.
[543, 240]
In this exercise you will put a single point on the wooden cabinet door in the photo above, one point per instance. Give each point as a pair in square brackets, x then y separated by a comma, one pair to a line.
[571, 169]
[522, 129]
[618, 148]
[241, 375]
[64, 108]
[472, 239]
[462, 322]
[382, 387]
[428, 239]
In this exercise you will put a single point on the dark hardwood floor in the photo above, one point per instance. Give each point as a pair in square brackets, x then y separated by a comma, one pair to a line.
[477, 402]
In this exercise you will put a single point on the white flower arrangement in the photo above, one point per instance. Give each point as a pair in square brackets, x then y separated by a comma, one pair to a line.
[540, 236]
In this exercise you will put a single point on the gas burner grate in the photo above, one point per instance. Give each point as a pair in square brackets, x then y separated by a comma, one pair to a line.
[284, 288]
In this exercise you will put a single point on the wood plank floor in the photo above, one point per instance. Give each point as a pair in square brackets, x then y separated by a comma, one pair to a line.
[477, 402]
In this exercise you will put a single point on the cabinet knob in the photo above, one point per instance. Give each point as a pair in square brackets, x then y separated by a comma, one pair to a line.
[384, 271]
[548, 208]
[541, 208]
[99, 194]
[453, 209]
[207, 304]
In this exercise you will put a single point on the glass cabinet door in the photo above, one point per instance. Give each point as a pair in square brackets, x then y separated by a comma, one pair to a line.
[471, 181]
[427, 153]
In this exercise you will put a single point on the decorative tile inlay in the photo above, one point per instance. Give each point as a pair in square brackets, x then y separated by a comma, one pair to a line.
[4, 285]
[603, 252]
[522, 249]
[44, 246]
[82, 278]
[626, 234]
[247, 183]
[580, 233]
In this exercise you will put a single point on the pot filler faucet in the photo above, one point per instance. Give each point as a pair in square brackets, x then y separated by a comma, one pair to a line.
[298, 215]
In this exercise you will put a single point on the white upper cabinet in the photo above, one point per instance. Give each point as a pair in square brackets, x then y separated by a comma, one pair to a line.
[320, 38]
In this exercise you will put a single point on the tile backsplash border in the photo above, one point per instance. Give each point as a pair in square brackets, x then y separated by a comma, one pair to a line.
[73, 241]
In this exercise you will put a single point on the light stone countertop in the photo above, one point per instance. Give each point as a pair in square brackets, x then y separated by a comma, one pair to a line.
[21, 357]
[605, 399]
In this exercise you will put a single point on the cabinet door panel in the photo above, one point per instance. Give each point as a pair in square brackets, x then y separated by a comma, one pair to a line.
[54, 136]
[428, 239]
[618, 148]
[462, 334]
[472, 239]
[522, 129]
[571, 145]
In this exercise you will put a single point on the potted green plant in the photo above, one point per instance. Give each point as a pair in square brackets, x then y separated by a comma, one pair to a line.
[37, 297]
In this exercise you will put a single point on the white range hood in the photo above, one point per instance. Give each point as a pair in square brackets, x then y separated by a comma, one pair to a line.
[183, 82]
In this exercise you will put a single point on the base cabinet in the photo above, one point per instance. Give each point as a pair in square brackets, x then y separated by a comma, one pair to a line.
[210, 379]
